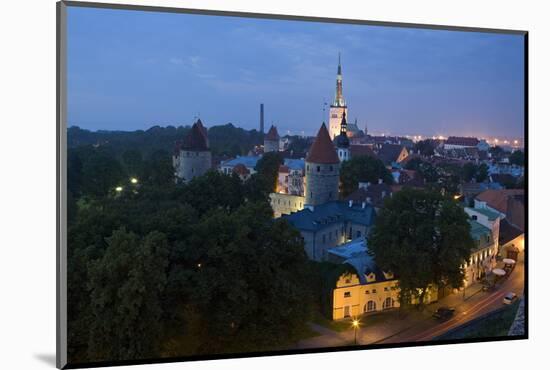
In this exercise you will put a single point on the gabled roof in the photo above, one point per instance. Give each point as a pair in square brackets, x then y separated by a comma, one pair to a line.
[359, 150]
[272, 134]
[376, 192]
[507, 232]
[283, 169]
[462, 141]
[195, 140]
[241, 169]
[247, 161]
[204, 131]
[330, 213]
[389, 153]
[355, 253]
[322, 151]
[295, 164]
[498, 199]
[478, 231]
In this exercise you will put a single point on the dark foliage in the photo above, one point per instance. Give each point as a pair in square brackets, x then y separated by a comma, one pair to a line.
[362, 169]
[424, 238]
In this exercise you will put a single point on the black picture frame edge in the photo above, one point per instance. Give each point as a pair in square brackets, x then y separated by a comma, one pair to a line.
[61, 172]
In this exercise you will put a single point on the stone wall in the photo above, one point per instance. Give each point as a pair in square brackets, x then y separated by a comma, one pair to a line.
[192, 164]
[321, 183]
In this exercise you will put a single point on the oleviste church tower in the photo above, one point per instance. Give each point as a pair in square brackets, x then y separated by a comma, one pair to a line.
[322, 170]
[338, 106]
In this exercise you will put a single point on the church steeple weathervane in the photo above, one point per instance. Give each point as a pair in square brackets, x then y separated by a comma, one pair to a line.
[339, 98]
[338, 107]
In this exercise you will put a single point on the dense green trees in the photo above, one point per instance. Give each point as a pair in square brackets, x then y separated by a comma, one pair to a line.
[125, 287]
[518, 158]
[424, 238]
[268, 168]
[161, 269]
[224, 139]
[472, 171]
[425, 147]
[362, 169]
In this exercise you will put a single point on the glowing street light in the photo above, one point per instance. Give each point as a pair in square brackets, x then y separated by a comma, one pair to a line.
[355, 323]
[118, 189]
[133, 180]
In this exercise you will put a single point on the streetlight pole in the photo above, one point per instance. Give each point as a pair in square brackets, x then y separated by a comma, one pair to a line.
[355, 326]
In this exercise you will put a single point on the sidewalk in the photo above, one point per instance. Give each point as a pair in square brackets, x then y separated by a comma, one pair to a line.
[391, 327]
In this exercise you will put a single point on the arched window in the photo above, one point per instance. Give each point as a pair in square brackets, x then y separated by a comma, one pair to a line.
[388, 303]
[370, 306]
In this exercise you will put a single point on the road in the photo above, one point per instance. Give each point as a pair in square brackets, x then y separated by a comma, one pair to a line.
[420, 326]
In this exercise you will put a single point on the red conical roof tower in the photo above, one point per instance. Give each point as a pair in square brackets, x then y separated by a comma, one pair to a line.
[322, 151]
[272, 134]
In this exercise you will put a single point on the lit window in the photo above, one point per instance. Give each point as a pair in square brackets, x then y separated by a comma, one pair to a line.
[347, 294]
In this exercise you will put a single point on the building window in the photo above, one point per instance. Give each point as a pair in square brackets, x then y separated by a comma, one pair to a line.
[370, 306]
[348, 281]
[307, 167]
[474, 217]
[388, 303]
[330, 195]
[330, 168]
[385, 289]
[358, 234]
[324, 238]
[367, 292]
[374, 290]
[318, 168]
[347, 294]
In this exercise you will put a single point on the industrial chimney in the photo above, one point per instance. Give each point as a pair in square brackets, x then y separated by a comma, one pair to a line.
[262, 118]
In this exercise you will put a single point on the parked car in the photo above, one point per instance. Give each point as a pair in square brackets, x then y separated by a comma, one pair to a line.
[444, 313]
[509, 298]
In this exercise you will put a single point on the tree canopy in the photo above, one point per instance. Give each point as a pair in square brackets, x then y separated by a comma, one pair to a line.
[518, 158]
[362, 169]
[423, 238]
[165, 269]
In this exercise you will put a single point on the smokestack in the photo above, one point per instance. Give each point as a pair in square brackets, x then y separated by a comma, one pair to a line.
[262, 118]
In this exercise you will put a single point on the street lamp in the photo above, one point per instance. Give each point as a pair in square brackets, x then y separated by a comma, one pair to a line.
[133, 180]
[118, 189]
[355, 326]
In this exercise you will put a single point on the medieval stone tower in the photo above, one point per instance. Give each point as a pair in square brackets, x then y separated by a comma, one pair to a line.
[271, 140]
[322, 170]
[193, 157]
[342, 141]
[338, 107]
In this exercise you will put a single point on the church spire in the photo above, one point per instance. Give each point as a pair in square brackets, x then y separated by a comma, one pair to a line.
[344, 124]
[339, 98]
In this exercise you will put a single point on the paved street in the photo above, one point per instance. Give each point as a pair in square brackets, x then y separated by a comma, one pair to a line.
[388, 327]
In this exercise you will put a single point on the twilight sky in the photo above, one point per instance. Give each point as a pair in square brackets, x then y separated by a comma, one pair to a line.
[130, 70]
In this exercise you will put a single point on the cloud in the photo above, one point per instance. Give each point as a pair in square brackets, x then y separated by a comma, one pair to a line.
[192, 61]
